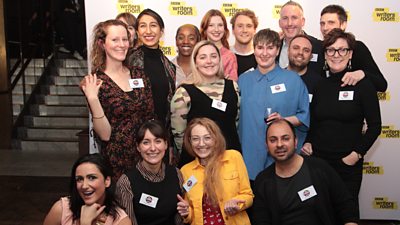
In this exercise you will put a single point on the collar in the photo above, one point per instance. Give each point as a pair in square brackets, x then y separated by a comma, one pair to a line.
[270, 75]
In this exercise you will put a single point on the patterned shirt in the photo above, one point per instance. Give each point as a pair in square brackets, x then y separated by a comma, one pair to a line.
[180, 106]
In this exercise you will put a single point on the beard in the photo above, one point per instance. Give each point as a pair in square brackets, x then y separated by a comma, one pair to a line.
[297, 66]
[289, 155]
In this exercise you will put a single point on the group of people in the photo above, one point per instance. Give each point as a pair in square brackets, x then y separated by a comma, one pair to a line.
[284, 116]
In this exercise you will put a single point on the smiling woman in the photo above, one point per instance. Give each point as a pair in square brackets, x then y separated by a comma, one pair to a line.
[91, 199]
[148, 191]
[206, 94]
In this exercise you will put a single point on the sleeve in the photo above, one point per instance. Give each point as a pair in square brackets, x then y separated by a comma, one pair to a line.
[363, 60]
[303, 108]
[245, 192]
[124, 196]
[180, 107]
[236, 87]
[230, 66]
[372, 114]
[261, 211]
[342, 201]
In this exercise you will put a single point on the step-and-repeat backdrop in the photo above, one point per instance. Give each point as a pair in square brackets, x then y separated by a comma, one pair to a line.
[376, 23]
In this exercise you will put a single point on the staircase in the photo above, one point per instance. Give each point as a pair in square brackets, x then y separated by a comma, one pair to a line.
[59, 111]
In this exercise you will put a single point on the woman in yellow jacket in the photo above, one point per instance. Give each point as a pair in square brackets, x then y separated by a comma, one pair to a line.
[221, 196]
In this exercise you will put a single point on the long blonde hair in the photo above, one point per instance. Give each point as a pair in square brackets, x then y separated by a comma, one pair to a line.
[197, 77]
[212, 181]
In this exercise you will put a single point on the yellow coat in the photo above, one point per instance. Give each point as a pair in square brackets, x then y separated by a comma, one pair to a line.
[235, 182]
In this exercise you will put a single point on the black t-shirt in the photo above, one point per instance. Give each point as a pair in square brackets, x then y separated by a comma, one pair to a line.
[293, 210]
[245, 62]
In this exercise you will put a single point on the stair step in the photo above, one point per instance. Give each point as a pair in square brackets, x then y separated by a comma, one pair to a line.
[51, 110]
[19, 90]
[59, 80]
[29, 79]
[63, 100]
[64, 90]
[49, 134]
[68, 72]
[56, 122]
[71, 63]
[56, 146]
[18, 99]
[17, 109]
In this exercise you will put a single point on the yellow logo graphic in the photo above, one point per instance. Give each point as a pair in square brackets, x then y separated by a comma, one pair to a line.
[180, 9]
[167, 50]
[276, 11]
[383, 203]
[369, 168]
[128, 6]
[393, 55]
[229, 9]
[389, 132]
[384, 96]
[384, 15]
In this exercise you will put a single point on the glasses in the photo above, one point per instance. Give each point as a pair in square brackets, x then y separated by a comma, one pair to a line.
[196, 139]
[340, 51]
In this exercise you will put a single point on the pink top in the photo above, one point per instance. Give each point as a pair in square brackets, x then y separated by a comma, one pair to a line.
[66, 217]
[230, 63]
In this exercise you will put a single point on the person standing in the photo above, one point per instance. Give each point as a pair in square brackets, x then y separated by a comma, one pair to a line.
[109, 95]
[362, 63]
[186, 38]
[214, 28]
[244, 25]
[338, 114]
[206, 94]
[291, 22]
[297, 189]
[269, 93]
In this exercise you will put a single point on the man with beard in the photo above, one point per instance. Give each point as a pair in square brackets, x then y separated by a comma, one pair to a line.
[300, 54]
[296, 189]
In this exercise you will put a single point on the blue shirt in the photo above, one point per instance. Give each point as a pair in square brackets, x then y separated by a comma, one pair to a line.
[281, 90]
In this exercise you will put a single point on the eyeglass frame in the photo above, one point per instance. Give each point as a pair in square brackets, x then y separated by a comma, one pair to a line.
[207, 139]
[347, 50]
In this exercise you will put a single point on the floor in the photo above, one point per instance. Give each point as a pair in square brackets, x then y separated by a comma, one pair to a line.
[30, 182]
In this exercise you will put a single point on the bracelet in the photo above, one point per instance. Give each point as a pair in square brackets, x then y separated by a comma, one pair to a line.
[100, 117]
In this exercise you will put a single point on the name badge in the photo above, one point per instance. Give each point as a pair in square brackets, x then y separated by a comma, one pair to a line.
[314, 58]
[346, 95]
[148, 200]
[220, 105]
[278, 88]
[136, 83]
[188, 185]
[310, 97]
[307, 193]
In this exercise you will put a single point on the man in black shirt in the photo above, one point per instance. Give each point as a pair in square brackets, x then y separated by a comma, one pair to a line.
[244, 25]
[299, 190]
[362, 62]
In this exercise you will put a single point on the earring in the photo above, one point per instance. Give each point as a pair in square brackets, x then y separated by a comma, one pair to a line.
[349, 65]
[325, 66]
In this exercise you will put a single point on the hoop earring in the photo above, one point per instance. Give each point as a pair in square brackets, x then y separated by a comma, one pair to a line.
[325, 66]
[349, 65]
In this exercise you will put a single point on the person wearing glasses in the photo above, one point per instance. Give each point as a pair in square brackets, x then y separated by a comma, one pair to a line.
[221, 196]
[338, 113]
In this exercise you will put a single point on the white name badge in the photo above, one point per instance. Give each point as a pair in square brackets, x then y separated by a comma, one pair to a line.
[314, 58]
[188, 185]
[136, 83]
[278, 88]
[310, 97]
[148, 200]
[220, 105]
[307, 193]
[346, 95]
